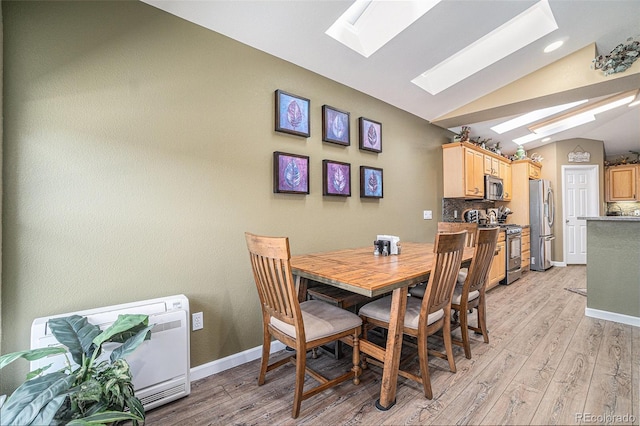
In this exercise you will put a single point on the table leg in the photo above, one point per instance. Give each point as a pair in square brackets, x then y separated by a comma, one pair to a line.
[392, 352]
[301, 288]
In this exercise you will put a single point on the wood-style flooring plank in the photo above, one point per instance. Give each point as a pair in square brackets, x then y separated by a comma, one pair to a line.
[610, 391]
[567, 392]
[536, 369]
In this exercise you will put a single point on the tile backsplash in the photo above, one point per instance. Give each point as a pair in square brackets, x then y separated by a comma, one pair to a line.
[626, 208]
[452, 205]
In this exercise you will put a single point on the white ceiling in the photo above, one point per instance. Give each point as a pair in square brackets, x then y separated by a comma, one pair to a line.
[295, 32]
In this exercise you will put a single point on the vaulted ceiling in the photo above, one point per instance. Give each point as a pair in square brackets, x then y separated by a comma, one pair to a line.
[524, 80]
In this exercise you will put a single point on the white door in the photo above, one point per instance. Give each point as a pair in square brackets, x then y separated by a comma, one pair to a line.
[580, 199]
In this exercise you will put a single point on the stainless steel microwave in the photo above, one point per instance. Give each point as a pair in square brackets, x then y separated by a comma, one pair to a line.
[493, 188]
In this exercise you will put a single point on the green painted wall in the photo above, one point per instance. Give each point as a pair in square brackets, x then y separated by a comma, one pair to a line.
[613, 266]
[138, 150]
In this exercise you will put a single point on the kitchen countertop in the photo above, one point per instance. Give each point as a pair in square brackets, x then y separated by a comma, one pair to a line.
[613, 218]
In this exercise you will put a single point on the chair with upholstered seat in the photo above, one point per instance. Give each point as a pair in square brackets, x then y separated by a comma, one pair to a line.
[425, 316]
[341, 298]
[470, 241]
[471, 294]
[301, 326]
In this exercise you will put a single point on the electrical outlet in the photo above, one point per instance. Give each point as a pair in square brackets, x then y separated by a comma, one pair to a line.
[427, 214]
[197, 321]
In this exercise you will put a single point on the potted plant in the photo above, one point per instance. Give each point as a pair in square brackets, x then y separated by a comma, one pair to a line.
[96, 392]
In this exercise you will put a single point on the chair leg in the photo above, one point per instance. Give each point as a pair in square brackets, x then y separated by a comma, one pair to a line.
[266, 348]
[482, 320]
[448, 345]
[301, 364]
[423, 356]
[357, 370]
[464, 331]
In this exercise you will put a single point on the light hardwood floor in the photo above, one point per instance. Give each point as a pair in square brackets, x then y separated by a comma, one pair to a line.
[546, 363]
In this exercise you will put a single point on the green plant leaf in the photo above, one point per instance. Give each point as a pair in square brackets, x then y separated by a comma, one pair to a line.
[37, 372]
[135, 406]
[77, 334]
[132, 343]
[48, 412]
[124, 327]
[30, 355]
[32, 396]
[103, 418]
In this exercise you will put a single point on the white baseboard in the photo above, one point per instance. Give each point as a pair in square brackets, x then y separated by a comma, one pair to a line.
[560, 264]
[612, 316]
[219, 365]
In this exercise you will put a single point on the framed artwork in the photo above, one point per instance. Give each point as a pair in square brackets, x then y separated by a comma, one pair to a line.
[370, 135]
[336, 178]
[370, 182]
[335, 126]
[292, 114]
[290, 173]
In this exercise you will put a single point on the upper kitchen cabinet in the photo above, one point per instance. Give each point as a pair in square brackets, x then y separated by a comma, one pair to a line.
[463, 175]
[534, 170]
[491, 165]
[521, 172]
[505, 175]
[622, 183]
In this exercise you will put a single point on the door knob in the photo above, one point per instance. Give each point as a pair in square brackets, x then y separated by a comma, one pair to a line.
[566, 221]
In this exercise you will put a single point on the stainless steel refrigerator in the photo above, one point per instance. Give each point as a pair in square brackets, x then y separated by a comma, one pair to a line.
[541, 211]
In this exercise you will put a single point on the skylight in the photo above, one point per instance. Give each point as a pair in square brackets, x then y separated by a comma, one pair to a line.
[370, 24]
[529, 26]
[533, 116]
[572, 119]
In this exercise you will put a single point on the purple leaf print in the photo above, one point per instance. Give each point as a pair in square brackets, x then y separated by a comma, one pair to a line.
[372, 136]
[294, 114]
[339, 179]
[292, 174]
[337, 127]
[372, 183]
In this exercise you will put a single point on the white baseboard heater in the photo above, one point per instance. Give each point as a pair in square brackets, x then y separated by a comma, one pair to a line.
[160, 366]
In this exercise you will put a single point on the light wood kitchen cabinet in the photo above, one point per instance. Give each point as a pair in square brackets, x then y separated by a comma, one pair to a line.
[491, 165]
[499, 265]
[505, 175]
[622, 183]
[535, 170]
[521, 172]
[525, 251]
[463, 175]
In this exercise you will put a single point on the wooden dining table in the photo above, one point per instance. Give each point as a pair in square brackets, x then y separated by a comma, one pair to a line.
[360, 271]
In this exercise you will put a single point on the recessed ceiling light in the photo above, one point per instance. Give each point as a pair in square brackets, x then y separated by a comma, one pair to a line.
[370, 24]
[529, 26]
[532, 116]
[553, 46]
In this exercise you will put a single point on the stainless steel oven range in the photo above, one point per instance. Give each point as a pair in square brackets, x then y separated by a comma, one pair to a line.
[513, 243]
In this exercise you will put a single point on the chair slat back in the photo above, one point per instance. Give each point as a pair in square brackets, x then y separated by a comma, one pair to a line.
[448, 258]
[486, 242]
[471, 228]
[270, 262]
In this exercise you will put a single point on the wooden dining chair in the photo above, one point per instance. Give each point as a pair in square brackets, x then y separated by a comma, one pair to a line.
[301, 326]
[425, 316]
[471, 294]
[470, 241]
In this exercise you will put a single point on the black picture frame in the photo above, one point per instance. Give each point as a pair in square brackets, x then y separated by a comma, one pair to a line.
[336, 178]
[336, 125]
[292, 114]
[370, 135]
[371, 182]
[290, 173]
